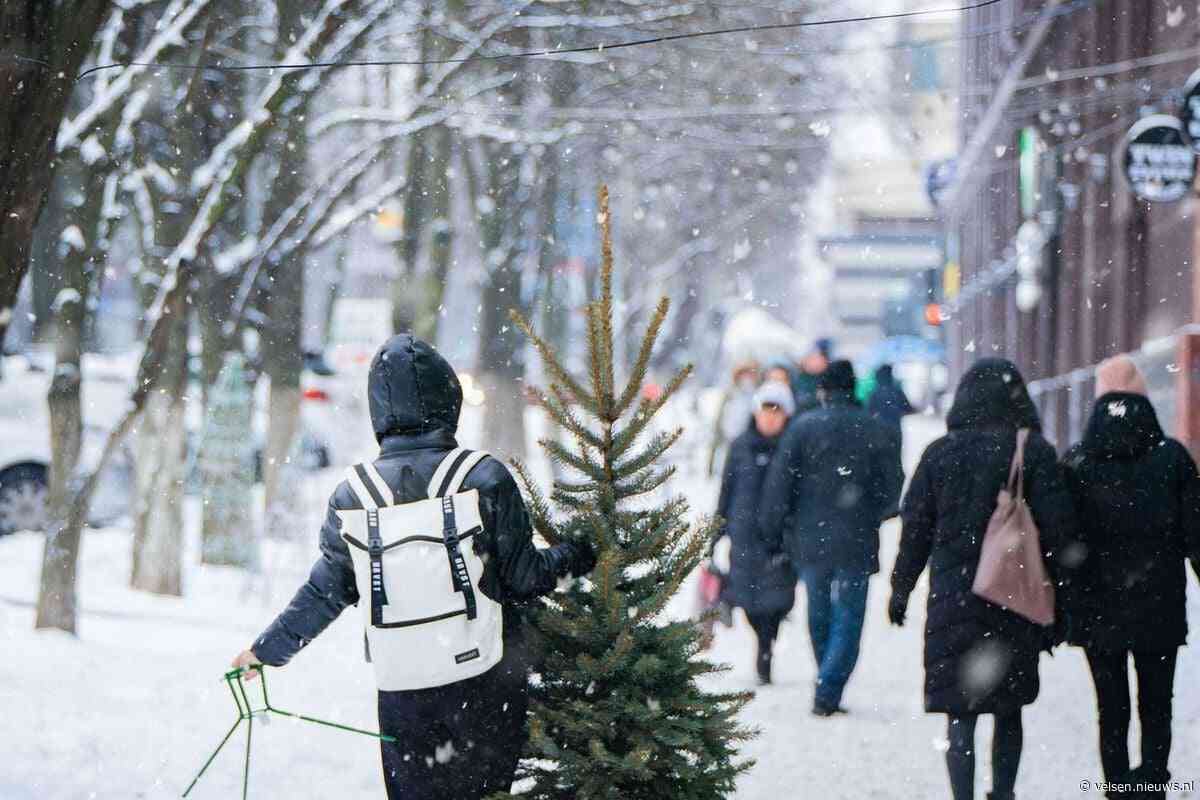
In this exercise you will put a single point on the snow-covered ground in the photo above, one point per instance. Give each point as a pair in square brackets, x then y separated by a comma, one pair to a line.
[132, 707]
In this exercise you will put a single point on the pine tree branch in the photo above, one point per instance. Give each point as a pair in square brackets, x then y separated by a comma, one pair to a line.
[646, 411]
[642, 364]
[550, 359]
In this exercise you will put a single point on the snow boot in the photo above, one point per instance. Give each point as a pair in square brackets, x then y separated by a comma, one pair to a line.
[994, 796]
[764, 667]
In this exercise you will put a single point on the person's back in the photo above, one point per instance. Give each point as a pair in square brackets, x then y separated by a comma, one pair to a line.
[415, 400]
[1137, 502]
[1135, 495]
[979, 658]
[835, 477]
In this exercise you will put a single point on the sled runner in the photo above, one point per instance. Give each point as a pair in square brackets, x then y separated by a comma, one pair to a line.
[427, 621]
[247, 712]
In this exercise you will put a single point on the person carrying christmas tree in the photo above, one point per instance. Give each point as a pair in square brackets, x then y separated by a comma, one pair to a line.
[434, 543]
[834, 478]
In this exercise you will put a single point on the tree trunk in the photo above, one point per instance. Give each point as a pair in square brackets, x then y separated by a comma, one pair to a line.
[43, 44]
[158, 523]
[159, 476]
[60, 554]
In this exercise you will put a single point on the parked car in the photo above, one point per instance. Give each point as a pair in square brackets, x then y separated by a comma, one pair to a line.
[328, 401]
[25, 439]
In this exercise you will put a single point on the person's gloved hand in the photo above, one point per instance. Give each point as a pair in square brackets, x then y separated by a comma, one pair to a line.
[584, 560]
[897, 609]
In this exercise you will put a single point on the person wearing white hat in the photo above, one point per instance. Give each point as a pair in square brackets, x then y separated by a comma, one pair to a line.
[761, 583]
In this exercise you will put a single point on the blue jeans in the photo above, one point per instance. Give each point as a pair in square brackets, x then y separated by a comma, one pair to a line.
[837, 605]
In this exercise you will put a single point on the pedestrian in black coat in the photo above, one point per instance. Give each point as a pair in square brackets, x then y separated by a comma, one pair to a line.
[415, 399]
[888, 403]
[1137, 500]
[835, 477]
[761, 581]
[979, 658]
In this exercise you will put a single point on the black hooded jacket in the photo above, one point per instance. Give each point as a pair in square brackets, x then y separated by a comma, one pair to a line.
[979, 658]
[760, 581]
[415, 399]
[834, 478]
[1137, 500]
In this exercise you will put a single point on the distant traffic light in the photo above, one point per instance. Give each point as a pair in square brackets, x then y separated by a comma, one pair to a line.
[933, 313]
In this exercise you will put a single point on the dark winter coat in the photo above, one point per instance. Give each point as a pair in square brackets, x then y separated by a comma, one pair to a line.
[804, 389]
[835, 477]
[888, 403]
[1137, 502]
[760, 581]
[415, 399]
[979, 658]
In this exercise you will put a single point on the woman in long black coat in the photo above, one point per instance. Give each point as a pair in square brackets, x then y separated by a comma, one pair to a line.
[979, 658]
[1137, 498]
[761, 583]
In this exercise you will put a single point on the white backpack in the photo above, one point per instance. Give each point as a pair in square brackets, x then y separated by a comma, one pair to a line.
[427, 622]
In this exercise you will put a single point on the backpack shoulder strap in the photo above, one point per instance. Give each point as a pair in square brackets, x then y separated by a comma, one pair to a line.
[456, 478]
[359, 489]
[370, 488]
[450, 474]
[444, 469]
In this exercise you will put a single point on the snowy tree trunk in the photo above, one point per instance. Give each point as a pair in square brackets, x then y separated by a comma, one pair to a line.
[158, 523]
[159, 464]
[60, 555]
[228, 533]
[283, 411]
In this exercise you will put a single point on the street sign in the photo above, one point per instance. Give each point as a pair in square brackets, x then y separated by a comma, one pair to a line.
[1190, 114]
[1158, 160]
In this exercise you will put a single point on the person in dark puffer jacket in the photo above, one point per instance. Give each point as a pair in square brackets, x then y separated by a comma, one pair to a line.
[979, 658]
[760, 582]
[415, 399]
[1137, 498]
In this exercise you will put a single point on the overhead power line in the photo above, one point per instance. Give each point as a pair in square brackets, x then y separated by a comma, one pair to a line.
[600, 47]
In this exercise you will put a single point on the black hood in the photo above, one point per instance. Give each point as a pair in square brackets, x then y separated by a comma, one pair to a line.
[411, 389]
[884, 376]
[1122, 425]
[992, 393]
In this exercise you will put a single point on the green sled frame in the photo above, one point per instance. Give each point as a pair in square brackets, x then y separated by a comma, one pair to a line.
[246, 712]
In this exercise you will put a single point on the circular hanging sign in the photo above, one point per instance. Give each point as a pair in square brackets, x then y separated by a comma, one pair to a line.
[1158, 160]
[1190, 114]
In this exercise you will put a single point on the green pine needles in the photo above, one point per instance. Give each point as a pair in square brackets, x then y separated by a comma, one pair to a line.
[618, 713]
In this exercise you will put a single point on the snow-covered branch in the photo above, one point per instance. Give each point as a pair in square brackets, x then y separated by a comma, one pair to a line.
[177, 16]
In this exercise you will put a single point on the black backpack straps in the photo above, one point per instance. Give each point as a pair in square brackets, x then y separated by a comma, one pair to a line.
[462, 469]
[376, 490]
[375, 551]
[363, 488]
[459, 575]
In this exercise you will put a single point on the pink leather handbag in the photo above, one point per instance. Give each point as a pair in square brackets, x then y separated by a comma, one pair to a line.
[1011, 573]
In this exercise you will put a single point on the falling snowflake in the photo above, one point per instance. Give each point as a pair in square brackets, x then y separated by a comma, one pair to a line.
[1117, 408]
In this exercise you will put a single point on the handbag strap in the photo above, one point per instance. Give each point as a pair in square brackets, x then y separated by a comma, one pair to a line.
[1016, 471]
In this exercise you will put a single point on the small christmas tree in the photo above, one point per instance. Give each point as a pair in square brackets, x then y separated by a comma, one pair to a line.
[617, 712]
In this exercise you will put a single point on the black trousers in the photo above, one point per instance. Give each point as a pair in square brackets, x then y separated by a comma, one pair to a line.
[459, 741]
[1155, 690]
[1007, 742]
